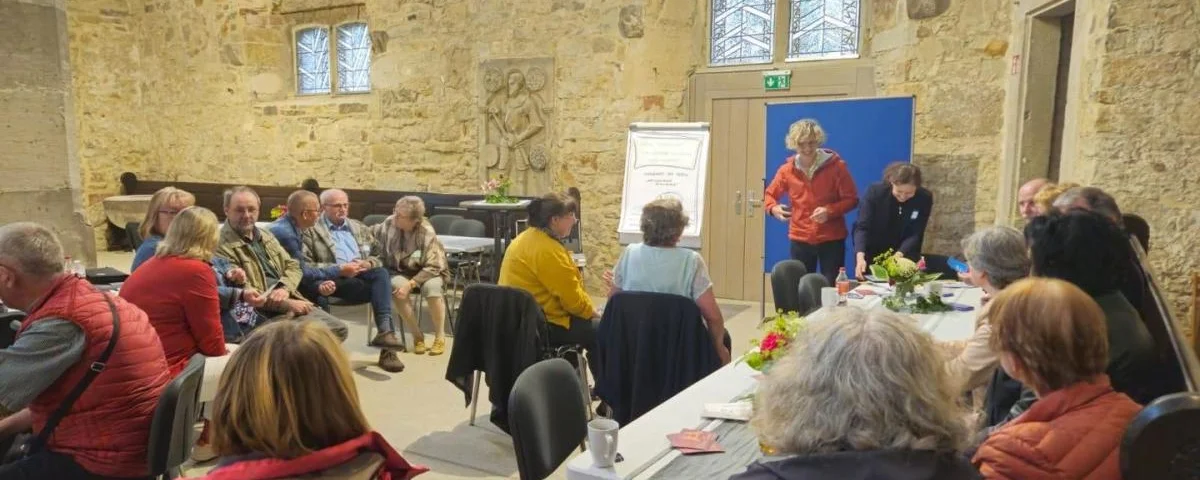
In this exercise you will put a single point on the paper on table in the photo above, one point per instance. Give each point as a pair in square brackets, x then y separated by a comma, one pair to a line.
[740, 411]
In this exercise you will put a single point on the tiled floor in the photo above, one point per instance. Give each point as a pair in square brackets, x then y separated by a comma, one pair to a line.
[423, 415]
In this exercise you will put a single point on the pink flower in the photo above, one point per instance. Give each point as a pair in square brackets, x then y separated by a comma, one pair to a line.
[921, 264]
[769, 342]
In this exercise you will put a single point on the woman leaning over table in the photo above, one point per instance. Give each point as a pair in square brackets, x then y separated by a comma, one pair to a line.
[165, 204]
[659, 265]
[861, 394]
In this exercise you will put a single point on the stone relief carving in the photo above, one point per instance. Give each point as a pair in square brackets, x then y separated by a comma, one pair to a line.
[922, 9]
[517, 119]
[630, 22]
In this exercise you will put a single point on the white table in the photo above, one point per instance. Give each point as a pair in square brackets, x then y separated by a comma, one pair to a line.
[644, 442]
[457, 244]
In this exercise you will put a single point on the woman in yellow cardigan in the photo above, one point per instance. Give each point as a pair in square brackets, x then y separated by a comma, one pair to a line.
[537, 262]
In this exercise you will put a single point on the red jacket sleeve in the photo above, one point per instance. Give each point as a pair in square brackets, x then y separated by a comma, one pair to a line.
[202, 310]
[777, 186]
[846, 190]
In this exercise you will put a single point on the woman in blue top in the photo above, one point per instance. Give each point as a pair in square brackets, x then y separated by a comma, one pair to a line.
[658, 265]
[164, 205]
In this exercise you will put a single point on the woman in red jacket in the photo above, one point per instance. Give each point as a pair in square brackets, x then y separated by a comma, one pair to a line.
[1052, 337]
[819, 188]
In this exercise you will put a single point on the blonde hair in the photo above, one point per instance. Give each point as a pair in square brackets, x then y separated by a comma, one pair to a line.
[194, 234]
[1045, 197]
[806, 130]
[411, 206]
[860, 380]
[1055, 329]
[286, 392]
[164, 196]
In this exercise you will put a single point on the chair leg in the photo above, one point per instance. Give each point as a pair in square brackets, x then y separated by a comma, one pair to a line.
[582, 368]
[475, 396]
[370, 324]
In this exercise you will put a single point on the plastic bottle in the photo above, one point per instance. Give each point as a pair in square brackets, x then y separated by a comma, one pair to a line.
[843, 285]
[80, 270]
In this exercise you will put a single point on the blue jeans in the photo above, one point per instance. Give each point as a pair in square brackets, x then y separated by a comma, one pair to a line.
[373, 286]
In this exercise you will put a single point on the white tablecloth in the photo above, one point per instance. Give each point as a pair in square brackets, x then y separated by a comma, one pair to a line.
[644, 442]
[457, 244]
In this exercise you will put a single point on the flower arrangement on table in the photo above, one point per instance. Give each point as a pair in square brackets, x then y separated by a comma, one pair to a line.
[496, 191]
[905, 276]
[781, 331]
[278, 211]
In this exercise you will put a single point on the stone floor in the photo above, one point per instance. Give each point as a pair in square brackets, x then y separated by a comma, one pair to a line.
[423, 415]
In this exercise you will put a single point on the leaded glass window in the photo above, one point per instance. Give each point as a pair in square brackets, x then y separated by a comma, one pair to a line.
[823, 29]
[354, 58]
[743, 31]
[312, 61]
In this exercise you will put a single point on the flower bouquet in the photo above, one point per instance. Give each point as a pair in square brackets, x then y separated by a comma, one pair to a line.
[278, 211]
[905, 276]
[781, 331]
[496, 191]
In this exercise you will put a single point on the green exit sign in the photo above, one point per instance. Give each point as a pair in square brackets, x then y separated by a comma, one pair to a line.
[777, 80]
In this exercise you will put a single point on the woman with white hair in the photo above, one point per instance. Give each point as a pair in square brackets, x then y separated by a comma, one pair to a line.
[861, 394]
[416, 259]
[996, 257]
[820, 191]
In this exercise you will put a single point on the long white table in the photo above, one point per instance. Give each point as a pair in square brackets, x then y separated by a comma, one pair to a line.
[457, 244]
[644, 444]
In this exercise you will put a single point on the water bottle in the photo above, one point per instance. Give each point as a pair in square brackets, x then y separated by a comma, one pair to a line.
[843, 285]
[80, 270]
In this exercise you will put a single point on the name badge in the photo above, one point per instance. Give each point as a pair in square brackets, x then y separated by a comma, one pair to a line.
[416, 255]
[915, 214]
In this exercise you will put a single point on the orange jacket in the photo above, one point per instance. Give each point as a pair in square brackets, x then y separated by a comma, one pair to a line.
[1071, 433]
[830, 186]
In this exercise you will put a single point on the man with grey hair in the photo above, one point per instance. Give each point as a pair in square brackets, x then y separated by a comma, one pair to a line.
[267, 265]
[1090, 198]
[1025, 203]
[88, 424]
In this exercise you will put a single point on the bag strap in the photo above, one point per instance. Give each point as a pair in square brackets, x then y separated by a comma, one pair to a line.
[96, 367]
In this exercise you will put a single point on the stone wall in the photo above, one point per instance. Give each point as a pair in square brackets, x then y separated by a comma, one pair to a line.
[952, 57]
[37, 150]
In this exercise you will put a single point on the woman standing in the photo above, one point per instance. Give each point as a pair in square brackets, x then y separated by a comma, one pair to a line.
[892, 216]
[165, 204]
[818, 186]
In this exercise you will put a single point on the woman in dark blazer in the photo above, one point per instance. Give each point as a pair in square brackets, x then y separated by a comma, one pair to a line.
[893, 214]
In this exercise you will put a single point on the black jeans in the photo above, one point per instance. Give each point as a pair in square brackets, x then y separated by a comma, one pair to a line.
[830, 255]
[47, 464]
[582, 332]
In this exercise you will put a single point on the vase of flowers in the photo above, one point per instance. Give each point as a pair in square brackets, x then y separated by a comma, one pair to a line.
[905, 276]
[496, 191]
[278, 211]
[781, 331]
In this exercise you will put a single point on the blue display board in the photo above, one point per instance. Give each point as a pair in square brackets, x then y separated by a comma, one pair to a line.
[868, 133]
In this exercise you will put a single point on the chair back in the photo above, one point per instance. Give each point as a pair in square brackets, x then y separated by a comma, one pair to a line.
[935, 263]
[174, 419]
[1162, 441]
[1138, 227]
[442, 222]
[547, 417]
[467, 227]
[374, 219]
[810, 292]
[10, 321]
[785, 279]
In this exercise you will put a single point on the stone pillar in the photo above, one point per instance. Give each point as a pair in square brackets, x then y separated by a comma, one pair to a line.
[37, 132]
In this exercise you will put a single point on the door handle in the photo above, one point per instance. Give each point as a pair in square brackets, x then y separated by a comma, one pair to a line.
[754, 204]
[737, 203]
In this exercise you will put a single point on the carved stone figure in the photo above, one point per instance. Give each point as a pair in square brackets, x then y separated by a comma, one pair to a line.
[630, 22]
[517, 123]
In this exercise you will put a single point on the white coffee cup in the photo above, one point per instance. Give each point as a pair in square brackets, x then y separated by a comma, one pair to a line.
[829, 297]
[602, 441]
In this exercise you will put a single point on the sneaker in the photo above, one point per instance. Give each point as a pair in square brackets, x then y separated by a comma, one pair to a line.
[389, 361]
[387, 339]
[439, 346]
[419, 347]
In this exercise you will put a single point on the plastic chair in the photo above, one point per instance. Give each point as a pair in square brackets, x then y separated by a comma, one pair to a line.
[547, 420]
[785, 280]
[1161, 441]
[442, 222]
[467, 227]
[374, 219]
[174, 420]
[1138, 227]
[810, 293]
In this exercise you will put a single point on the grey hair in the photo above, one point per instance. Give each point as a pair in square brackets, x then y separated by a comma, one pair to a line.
[882, 374]
[326, 194]
[1000, 253]
[1097, 200]
[32, 249]
[663, 222]
[412, 205]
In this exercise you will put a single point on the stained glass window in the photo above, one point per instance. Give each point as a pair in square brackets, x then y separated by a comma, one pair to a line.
[823, 29]
[742, 31]
[354, 58]
[312, 61]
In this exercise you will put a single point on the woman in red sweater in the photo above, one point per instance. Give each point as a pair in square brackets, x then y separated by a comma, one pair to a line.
[178, 291]
[817, 184]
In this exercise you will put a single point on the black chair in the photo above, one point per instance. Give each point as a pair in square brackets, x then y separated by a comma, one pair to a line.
[1138, 227]
[810, 292]
[131, 232]
[467, 227]
[939, 264]
[10, 320]
[374, 219]
[548, 419]
[174, 421]
[442, 222]
[785, 280]
[1163, 440]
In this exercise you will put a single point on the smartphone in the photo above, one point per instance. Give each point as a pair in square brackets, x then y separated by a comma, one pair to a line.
[958, 265]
